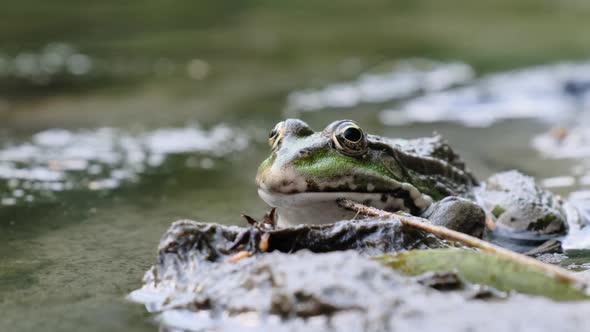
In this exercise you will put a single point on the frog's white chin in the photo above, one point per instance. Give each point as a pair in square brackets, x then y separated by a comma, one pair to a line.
[321, 207]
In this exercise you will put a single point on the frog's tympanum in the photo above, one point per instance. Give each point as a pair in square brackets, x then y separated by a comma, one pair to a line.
[307, 173]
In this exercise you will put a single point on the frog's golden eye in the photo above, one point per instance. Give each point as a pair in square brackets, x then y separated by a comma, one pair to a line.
[275, 135]
[349, 138]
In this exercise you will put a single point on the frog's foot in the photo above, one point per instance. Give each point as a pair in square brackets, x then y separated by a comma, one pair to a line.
[457, 214]
[520, 209]
[255, 238]
[269, 221]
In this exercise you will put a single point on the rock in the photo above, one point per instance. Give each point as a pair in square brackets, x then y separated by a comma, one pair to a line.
[548, 247]
[195, 287]
[458, 214]
[371, 236]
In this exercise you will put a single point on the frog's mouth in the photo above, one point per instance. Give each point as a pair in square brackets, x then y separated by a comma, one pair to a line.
[322, 207]
[301, 198]
[316, 207]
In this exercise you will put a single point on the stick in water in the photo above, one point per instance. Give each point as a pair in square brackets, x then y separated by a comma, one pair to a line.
[449, 234]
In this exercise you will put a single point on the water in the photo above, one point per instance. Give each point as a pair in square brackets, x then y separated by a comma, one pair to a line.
[91, 99]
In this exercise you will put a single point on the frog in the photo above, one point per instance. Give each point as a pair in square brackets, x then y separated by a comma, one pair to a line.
[307, 173]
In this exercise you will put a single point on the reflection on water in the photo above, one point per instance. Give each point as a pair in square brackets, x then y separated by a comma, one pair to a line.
[579, 235]
[59, 64]
[567, 144]
[424, 89]
[571, 144]
[54, 62]
[390, 81]
[100, 159]
[549, 93]
[564, 143]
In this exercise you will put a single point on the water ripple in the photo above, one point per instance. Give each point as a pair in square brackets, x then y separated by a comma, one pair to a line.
[402, 79]
[53, 62]
[101, 159]
[572, 144]
[549, 92]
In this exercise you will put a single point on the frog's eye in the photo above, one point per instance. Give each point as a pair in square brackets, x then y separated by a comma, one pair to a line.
[274, 137]
[349, 138]
[352, 134]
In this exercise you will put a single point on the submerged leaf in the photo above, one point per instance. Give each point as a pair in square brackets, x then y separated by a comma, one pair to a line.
[486, 269]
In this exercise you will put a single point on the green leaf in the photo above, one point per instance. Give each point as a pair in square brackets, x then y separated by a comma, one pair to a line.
[486, 269]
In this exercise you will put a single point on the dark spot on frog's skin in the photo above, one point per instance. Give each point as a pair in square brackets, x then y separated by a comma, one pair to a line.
[444, 189]
[383, 198]
[285, 183]
[542, 223]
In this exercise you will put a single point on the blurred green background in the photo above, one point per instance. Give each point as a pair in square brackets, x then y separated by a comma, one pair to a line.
[254, 52]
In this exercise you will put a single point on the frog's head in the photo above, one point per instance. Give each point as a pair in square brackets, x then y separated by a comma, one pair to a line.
[307, 172]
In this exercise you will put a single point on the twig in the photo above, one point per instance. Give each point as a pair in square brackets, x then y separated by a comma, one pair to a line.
[449, 234]
[239, 256]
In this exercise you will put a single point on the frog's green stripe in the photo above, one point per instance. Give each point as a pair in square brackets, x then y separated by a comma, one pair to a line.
[325, 163]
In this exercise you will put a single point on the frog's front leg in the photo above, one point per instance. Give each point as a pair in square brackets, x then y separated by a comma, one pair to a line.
[458, 214]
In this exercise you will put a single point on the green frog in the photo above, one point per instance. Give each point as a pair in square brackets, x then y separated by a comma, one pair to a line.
[308, 172]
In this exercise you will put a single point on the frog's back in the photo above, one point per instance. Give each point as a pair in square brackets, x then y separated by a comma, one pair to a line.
[432, 160]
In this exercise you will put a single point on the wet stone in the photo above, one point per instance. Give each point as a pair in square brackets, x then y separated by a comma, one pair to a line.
[549, 247]
[319, 278]
[371, 236]
[459, 214]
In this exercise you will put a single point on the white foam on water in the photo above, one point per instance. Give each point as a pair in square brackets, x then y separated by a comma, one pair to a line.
[52, 62]
[403, 79]
[548, 93]
[104, 158]
[578, 237]
[571, 144]
[558, 181]
[574, 143]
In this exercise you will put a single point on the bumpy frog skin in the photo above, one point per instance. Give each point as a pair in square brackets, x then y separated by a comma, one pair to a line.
[307, 172]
